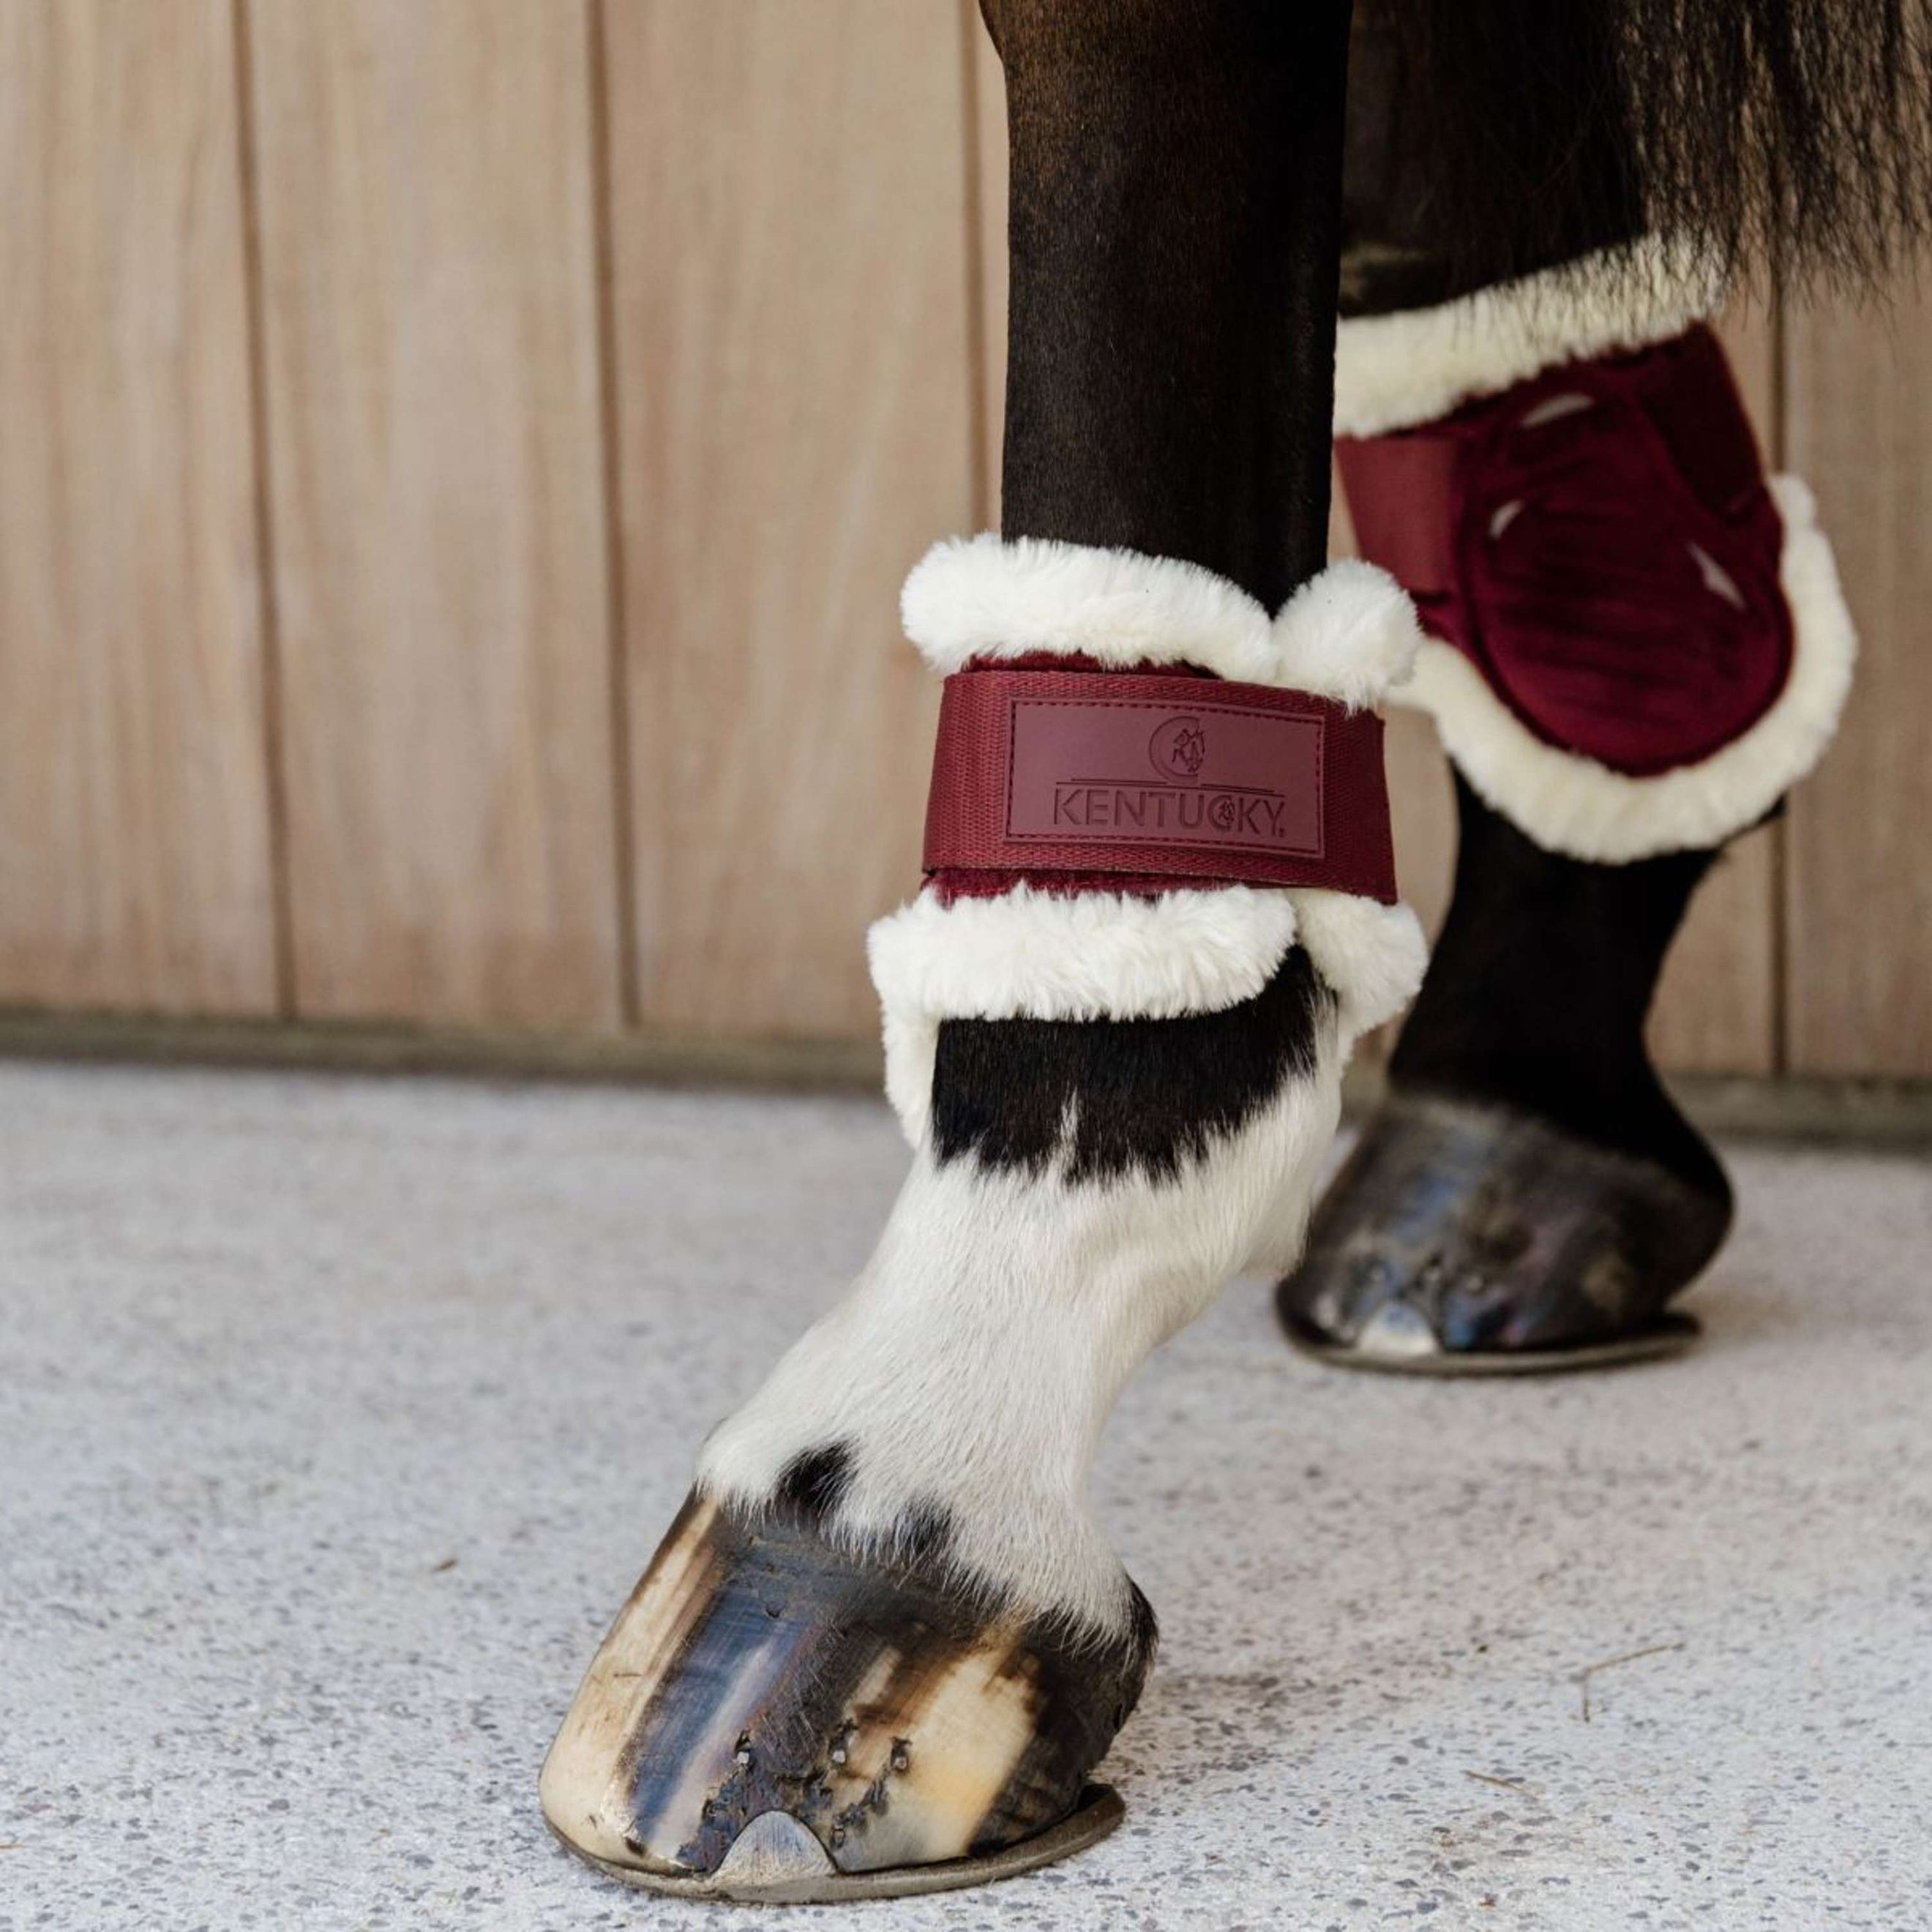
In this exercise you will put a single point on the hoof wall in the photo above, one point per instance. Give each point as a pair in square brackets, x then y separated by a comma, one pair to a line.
[775, 1714]
[1461, 1239]
[776, 1861]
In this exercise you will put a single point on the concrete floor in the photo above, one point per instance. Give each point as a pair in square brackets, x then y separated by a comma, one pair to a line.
[312, 1391]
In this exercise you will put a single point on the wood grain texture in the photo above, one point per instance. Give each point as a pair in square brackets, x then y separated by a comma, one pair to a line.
[430, 306]
[794, 391]
[1858, 895]
[134, 844]
[989, 216]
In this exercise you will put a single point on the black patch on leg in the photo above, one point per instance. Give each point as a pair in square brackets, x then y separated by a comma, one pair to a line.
[814, 1483]
[1144, 1630]
[1145, 1096]
[1539, 986]
[924, 1531]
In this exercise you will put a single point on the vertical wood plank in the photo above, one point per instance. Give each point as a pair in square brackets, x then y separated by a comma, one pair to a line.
[1858, 895]
[989, 96]
[430, 313]
[1716, 1004]
[134, 845]
[790, 257]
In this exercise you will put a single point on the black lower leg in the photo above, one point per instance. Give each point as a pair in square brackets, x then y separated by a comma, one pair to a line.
[1175, 227]
[1540, 986]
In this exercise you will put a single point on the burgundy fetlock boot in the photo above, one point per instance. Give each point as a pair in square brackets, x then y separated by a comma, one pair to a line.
[1637, 646]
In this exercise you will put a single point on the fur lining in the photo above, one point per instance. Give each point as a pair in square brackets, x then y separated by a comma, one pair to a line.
[1372, 955]
[1348, 633]
[1097, 955]
[1394, 371]
[1571, 804]
[1111, 955]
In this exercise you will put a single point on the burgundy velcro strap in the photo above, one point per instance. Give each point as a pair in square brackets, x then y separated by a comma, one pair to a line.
[1162, 776]
[1401, 501]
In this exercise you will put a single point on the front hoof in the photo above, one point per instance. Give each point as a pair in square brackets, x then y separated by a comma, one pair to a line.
[1460, 1239]
[774, 1717]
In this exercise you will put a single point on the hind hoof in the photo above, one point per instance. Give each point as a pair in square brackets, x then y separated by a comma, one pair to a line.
[774, 1717]
[1461, 1239]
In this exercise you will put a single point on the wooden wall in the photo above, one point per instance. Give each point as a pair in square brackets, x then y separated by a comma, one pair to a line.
[458, 461]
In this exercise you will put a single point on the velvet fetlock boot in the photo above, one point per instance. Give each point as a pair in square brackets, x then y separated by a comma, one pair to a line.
[1637, 645]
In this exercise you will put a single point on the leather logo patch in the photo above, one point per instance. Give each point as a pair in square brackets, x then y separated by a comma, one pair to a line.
[1135, 773]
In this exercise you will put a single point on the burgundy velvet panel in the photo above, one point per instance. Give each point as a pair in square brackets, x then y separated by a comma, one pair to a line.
[1599, 542]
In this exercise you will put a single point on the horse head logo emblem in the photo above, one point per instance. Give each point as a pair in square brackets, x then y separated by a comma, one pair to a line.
[1178, 749]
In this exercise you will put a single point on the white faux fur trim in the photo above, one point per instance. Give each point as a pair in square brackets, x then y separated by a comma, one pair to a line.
[1111, 955]
[1373, 955]
[1394, 371]
[1572, 804]
[1095, 956]
[1347, 634]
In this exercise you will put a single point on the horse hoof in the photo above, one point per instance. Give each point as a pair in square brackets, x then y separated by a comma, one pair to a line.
[1468, 1239]
[775, 1717]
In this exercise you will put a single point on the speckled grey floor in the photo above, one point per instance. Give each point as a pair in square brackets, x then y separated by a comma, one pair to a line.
[335, 1416]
